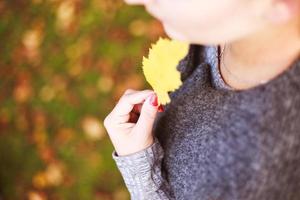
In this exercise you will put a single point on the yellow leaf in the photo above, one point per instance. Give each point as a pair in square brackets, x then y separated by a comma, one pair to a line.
[160, 67]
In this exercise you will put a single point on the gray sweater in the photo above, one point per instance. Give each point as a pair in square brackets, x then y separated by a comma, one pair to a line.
[216, 143]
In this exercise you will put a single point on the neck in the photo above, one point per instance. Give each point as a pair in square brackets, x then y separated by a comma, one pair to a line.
[261, 56]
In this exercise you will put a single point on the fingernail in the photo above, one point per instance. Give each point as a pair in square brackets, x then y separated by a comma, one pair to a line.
[153, 100]
[161, 108]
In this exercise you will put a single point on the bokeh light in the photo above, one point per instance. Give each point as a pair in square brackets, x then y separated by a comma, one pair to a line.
[63, 66]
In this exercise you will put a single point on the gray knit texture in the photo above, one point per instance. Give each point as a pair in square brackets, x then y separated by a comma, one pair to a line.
[222, 144]
[141, 172]
[232, 145]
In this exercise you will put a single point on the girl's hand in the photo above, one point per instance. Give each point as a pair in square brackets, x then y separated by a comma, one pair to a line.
[130, 123]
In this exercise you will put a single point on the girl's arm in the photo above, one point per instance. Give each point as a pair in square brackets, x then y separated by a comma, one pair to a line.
[138, 153]
[142, 174]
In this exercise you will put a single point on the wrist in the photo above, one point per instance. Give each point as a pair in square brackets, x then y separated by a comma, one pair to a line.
[129, 150]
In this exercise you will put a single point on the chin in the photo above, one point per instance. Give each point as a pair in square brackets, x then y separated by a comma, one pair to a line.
[204, 39]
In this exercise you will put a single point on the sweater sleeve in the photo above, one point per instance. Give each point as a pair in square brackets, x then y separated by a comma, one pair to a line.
[142, 173]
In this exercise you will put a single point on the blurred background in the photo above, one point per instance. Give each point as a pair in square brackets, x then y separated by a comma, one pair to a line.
[63, 66]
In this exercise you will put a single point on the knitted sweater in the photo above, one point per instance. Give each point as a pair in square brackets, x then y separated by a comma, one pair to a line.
[216, 143]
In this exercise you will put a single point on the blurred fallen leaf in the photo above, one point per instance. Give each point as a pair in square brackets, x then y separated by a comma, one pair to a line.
[78, 49]
[64, 135]
[34, 195]
[46, 153]
[59, 83]
[39, 120]
[54, 174]
[119, 35]
[102, 195]
[75, 70]
[155, 30]
[32, 39]
[22, 92]
[65, 14]
[39, 180]
[23, 89]
[108, 7]
[47, 93]
[138, 27]
[105, 84]
[92, 127]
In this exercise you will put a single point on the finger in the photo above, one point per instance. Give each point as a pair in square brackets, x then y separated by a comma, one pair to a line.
[120, 119]
[131, 117]
[126, 126]
[148, 115]
[137, 108]
[130, 91]
[127, 102]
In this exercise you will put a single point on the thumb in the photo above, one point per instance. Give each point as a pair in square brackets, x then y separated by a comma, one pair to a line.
[148, 113]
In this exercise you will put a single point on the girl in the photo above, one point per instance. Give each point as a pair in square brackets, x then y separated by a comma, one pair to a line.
[232, 129]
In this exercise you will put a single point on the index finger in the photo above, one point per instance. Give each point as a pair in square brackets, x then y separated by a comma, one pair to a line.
[127, 102]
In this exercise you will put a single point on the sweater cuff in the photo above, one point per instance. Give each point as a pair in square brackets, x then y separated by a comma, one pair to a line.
[137, 167]
[144, 157]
